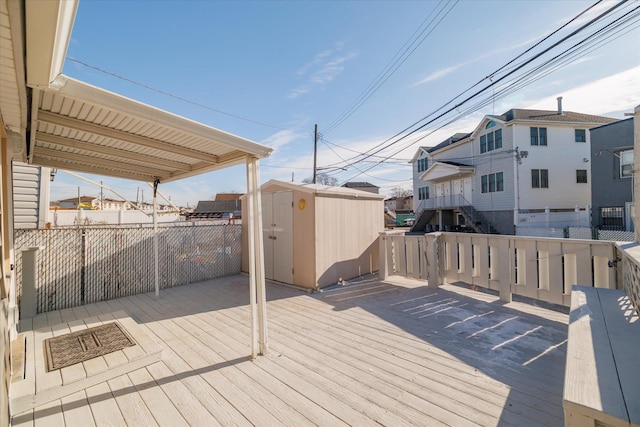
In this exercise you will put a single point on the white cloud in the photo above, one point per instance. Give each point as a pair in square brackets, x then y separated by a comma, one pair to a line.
[281, 138]
[322, 69]
[611, 94]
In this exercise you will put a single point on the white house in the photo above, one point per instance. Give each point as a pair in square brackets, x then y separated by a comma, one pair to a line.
[525, 168]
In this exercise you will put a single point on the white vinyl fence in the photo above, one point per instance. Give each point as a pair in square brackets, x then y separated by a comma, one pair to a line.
[540, 268]
[85, 265]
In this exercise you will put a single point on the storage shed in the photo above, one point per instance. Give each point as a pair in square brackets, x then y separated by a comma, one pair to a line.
[316, 234]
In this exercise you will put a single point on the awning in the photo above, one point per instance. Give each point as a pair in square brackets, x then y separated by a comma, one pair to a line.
[441, 171]
[84, 128]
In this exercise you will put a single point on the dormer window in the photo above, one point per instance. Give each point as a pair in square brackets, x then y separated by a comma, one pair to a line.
[423, 164]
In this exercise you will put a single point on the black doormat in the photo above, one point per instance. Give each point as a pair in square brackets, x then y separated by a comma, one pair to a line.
[77, 347]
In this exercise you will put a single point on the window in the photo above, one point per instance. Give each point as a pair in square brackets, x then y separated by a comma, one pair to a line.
[581, 135]
[492, 182]
[626, 164]
[423, 193]
[581, 176]
[612, 218]
[538, 136]
[423, 164]
[491, 141]
[498, 134]
[539, 178]
[490, 125]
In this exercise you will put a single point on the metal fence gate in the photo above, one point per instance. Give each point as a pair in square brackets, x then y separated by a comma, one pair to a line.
[85, 265]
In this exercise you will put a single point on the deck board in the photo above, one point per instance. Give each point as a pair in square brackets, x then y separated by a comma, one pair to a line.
[369, 353]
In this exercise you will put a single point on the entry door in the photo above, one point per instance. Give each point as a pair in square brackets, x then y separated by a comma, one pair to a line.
[457, 191]
[277, 220]
[467, 190]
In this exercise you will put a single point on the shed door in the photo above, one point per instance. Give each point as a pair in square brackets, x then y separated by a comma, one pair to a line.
[277, 211]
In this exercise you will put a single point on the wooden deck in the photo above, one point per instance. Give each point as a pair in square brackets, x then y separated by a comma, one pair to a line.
[393, 353]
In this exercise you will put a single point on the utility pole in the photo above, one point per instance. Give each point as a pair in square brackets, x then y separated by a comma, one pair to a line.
[315, 153]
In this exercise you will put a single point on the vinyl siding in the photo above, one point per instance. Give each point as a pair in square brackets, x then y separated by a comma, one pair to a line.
[30, 194]
[562, 157]
[460, 152]
[500, 160]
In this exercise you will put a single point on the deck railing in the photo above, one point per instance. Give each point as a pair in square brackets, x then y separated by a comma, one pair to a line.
[540, 268]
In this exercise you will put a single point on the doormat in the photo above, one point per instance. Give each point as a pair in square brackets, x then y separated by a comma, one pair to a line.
[80, 346]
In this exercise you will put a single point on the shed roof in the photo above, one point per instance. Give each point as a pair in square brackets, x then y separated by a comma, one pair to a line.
[359, 184]
[324, 190]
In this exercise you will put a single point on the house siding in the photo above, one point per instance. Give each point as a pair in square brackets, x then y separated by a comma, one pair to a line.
[30, 195]
[608, 189]
[561, 157]
[500, 160]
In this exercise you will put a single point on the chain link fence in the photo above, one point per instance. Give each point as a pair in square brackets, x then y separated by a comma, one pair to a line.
[577, 233]
[86, 265]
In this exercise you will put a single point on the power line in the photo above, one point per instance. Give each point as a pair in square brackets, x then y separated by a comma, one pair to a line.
[162, 92]
[481, 91]
[393, 65]
[490, 76]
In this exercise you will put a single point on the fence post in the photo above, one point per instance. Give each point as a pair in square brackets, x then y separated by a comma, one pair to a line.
[29, 299]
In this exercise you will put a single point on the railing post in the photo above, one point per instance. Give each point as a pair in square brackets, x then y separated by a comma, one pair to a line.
[435, 258]
[383, 272]
[29, 300]
[505, 260]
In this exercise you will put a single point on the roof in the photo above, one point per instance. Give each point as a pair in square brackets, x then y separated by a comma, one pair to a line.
[356, 184]
[419, 151]
[552, 116]
[82, 199]
[324, 190]
[617, 122]
[216, 206]
[445, 170]
[80, 127]
[456, 137]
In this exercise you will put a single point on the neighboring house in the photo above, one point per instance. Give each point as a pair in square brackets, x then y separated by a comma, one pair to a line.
[400, 204]
[216, 209]
[111, 205]
[526, 168]
[30, 195]
[390, 204]
[612, 175]
[83, 201]
[362, 186]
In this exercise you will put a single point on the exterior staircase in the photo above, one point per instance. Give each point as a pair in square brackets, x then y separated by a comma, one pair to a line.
[473, 218]
[420, 225]
[476, 220]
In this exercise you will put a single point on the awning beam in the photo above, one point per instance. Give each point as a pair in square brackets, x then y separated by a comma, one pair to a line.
[81, 125]
[110, 151]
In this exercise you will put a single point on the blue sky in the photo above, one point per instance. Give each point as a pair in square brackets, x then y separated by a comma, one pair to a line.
[269, 70]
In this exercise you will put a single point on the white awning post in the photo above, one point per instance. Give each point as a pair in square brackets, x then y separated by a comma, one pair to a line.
[155, 235]
[260, 276]
[252, 257]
